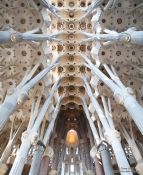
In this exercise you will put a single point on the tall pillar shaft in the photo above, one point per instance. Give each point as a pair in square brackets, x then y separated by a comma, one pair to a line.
[98, 163]
[98, 166]
[44, 168]
[123, 164]
[6, 109]
[20, 158]
[36, 162]
[135, 111]
[87, 155]
[106, 160]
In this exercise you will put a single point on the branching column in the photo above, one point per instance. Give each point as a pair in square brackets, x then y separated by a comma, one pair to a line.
[19, 96]
[122, 94]
[112, 136]
[38, 155]
[13, 137]
[98, 166]
[14, 36]
[31, 135]
[130, 36]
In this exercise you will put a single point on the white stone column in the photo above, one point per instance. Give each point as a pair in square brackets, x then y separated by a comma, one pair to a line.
[35, 167]
[37, 157]
[124, 96]
[12, 138]
[21, 156]
[19, 96]
[112, 136]
[52, 122]
[114, 139]
[30, 135]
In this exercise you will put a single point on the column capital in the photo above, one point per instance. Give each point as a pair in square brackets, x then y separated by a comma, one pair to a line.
[16, 36]
[49, 152]
[103, 146]
[125, 37]
[40, 146]
[23, 96]
[112, 135]
[29, 135]
[121, 94]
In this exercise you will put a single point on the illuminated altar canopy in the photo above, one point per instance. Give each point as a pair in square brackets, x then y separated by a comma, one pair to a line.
[72, 138]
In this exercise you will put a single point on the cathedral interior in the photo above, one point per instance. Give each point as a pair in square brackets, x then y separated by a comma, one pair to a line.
[71, 87]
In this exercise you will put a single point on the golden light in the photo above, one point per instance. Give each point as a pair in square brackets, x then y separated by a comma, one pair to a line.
[72, 138]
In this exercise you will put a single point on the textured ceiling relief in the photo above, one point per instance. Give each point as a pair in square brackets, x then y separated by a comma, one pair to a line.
[71, 87]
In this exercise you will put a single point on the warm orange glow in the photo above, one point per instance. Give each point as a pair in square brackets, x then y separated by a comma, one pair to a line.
[72, 138]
